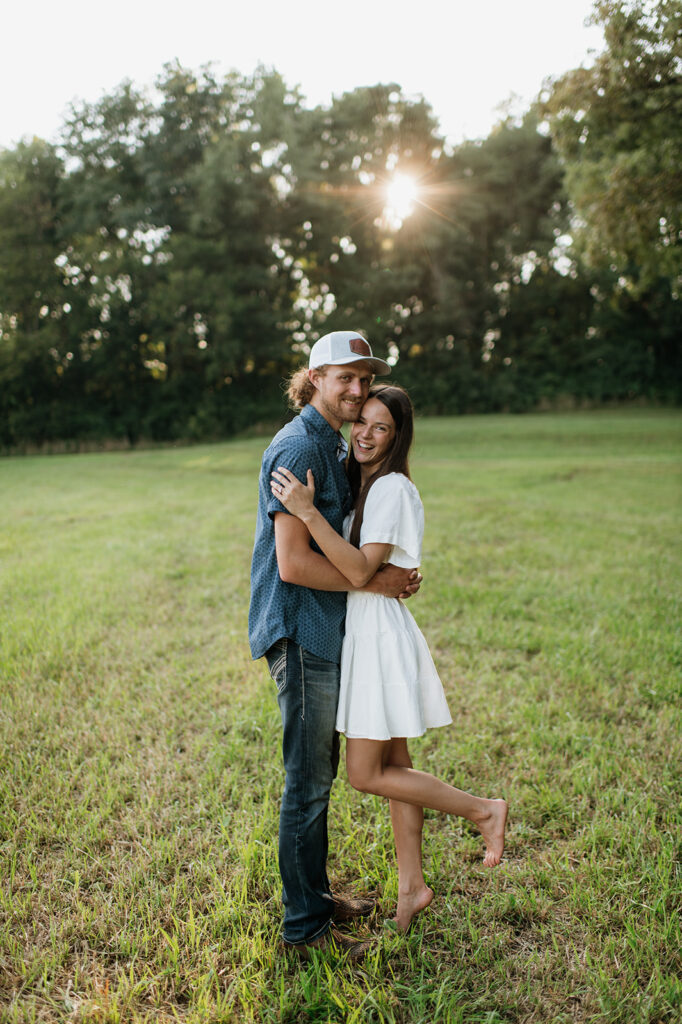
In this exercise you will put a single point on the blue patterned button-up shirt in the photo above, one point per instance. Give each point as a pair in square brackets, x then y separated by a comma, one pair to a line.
[312, 618]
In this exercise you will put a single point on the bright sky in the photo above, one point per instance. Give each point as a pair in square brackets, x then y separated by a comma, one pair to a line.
[466, 57]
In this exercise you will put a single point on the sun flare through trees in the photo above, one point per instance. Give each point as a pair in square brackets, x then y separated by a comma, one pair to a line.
[402, 193]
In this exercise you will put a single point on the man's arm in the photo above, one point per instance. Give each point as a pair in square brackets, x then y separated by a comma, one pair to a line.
[296, 560]
[392, 581]
[299, 564]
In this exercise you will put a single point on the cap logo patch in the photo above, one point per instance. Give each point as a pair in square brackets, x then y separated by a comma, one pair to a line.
[360, 347]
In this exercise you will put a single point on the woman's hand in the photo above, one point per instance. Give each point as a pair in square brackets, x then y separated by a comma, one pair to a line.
[296, 497]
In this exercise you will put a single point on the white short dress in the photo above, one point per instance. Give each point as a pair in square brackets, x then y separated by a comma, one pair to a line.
[389, 683]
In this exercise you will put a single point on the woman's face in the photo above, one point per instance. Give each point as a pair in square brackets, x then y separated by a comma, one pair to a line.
[373, 434]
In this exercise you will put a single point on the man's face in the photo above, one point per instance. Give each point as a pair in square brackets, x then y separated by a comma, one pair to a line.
[342, 391]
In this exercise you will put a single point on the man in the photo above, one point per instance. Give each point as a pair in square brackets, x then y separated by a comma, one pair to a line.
[296, 620]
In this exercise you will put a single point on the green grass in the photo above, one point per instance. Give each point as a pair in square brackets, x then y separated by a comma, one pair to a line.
[139, 745]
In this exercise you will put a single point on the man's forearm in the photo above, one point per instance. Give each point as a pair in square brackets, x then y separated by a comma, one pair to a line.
[299, 564]
[393, 581]
[314, 571]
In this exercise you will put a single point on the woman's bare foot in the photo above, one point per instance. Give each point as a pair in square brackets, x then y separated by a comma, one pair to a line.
[410, 904]
[492, 829]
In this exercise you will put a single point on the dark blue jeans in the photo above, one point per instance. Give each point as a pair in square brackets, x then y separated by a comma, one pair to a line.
[307, 694]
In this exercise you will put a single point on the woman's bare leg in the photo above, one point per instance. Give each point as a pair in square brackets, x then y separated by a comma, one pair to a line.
[414, 894]
[368, 773]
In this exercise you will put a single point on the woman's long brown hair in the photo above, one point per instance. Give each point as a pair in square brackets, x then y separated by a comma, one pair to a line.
[398, 403]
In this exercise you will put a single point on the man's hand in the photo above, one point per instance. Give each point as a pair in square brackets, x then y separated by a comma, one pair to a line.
[392, 581]
[413, 586]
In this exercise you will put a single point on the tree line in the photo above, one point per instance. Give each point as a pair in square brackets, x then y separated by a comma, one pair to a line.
[172, 257]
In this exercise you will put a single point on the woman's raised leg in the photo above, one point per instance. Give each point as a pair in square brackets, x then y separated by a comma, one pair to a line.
[414, 894]
[369, 772]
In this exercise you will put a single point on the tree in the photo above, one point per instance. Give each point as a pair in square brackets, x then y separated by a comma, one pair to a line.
[166, 265]
[494, 209]
[618, 128]
[340, 162]
[34, 347]
[222, 297]
[169, 212]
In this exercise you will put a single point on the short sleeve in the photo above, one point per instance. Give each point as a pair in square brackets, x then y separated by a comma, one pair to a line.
[298, 455]
[394, 515]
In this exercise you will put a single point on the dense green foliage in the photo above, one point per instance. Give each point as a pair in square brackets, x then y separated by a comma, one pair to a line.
[171, 259]
[140, 766]
[617, 125]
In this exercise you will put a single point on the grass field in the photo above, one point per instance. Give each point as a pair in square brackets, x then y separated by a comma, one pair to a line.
[140, 745]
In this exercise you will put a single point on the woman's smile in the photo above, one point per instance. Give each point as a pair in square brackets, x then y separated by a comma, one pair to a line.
[372, 434]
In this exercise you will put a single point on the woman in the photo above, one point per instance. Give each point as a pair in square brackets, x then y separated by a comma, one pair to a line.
[390, 689]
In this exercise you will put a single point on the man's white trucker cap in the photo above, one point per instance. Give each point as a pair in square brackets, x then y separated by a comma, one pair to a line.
[341, 347]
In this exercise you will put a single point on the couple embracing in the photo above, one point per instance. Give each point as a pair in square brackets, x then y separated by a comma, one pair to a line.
[338, 543]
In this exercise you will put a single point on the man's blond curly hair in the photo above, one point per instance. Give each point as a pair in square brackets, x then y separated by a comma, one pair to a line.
[300, 389]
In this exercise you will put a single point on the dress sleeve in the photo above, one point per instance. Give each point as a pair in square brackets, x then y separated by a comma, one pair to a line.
[394, 515]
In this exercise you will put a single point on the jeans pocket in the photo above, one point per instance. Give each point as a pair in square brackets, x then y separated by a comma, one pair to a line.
[276, 658]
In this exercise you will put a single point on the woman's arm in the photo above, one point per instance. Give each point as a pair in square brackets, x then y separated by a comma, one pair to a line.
[357, 565]
[298, 563]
